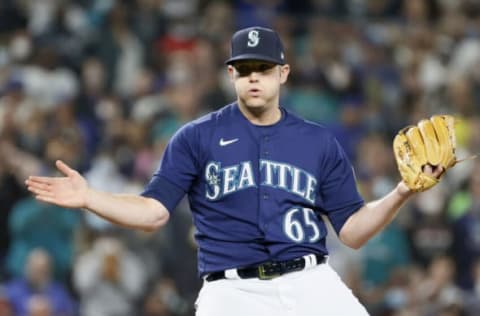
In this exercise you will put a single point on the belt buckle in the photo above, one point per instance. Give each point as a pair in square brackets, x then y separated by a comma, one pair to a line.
[265, 271]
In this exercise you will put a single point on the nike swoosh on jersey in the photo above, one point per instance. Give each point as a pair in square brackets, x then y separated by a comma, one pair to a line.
[227, 142]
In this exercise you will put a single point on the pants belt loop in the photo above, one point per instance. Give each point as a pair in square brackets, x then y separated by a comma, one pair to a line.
[310, 261]
[231, 274]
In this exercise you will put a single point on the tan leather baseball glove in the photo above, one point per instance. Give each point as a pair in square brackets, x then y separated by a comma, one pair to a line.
[431, 141]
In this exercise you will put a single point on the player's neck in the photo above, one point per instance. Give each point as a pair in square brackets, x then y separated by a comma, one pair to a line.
[261, 115]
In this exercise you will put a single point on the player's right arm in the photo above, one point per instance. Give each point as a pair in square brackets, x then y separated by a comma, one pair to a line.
[73, 191]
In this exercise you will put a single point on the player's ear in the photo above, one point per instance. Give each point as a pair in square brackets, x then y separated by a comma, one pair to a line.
[284, 71]
[231, 72]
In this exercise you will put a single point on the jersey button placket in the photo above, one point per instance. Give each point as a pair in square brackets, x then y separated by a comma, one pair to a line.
[265, 150]
[265, 146]
[264, 194]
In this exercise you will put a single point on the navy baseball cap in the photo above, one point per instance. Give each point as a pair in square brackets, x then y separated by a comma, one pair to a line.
[257, 43]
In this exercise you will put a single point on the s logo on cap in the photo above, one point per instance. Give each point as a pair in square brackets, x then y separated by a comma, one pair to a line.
[253, 38]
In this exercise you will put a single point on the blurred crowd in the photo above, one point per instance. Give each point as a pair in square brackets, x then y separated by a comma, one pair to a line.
[103, 85]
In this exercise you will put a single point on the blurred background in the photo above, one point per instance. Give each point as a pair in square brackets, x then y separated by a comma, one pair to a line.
[103, 84]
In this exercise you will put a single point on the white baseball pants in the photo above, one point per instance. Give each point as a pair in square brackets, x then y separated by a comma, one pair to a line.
[317, 291]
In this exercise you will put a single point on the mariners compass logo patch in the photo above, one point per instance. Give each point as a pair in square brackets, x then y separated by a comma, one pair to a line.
[253, 38]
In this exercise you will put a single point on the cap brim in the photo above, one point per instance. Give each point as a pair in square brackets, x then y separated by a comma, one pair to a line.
[254, 57]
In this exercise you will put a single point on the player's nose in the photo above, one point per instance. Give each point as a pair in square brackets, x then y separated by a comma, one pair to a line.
[253, 76]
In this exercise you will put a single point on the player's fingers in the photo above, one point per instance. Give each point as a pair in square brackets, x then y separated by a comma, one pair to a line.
[433, 171]
[428, 169]
[40, 180]
[42, 188]
[40, 192]
[438, 171]
[38, 184]
[64, 168]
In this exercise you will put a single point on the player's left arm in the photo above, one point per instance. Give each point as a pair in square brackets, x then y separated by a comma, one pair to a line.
[375, 215]
[423, 153]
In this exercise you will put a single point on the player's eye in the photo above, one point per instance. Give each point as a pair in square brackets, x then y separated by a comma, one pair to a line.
[243, 70]
[265, 67]
[247, 69]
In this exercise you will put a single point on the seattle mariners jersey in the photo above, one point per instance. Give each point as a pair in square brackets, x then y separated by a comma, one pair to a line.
[256, 192]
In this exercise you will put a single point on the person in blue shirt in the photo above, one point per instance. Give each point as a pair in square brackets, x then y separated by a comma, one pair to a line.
[37, 284]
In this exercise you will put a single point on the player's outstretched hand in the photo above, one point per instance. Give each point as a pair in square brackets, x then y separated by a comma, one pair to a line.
[68, 191]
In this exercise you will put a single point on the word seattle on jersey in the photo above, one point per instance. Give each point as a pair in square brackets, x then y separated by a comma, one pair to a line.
[227, 180]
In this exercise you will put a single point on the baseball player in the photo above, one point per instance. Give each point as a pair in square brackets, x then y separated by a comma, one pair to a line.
[257, 178]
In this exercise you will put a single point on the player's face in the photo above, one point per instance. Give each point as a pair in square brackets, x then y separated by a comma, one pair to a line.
[257, 83]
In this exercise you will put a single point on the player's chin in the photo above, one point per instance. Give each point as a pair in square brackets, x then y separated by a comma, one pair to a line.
[255, 102]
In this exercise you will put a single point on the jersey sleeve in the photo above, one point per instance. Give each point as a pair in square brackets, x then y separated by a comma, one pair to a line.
[338, 190]
[177, 170]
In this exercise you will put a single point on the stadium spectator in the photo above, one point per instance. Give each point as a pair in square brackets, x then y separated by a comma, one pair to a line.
[36, 293]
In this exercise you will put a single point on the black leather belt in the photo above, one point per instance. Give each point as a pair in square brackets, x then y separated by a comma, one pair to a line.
[267, 270]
